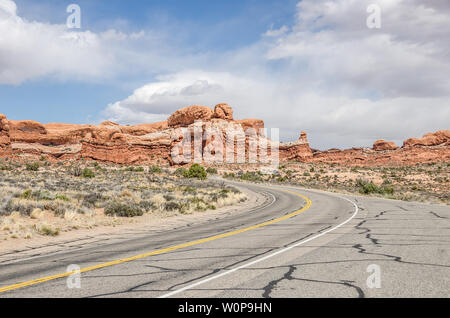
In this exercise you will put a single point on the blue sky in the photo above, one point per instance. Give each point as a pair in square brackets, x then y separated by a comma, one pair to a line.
[197, 26]
[312, 65]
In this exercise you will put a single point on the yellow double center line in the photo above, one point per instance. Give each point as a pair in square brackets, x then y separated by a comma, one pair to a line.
[162, 251]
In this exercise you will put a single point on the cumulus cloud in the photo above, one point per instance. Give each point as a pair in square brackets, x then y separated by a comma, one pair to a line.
[406, 57]
[329, 74]
[32, 49]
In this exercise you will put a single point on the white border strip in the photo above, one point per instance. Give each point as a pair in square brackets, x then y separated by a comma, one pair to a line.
[263, 258]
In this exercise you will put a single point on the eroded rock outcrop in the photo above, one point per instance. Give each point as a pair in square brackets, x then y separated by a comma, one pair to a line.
[297, 150]
[382, 145]
[5, 141]
[223, 111]
[441, 137]
[148, 143]
[188, 115]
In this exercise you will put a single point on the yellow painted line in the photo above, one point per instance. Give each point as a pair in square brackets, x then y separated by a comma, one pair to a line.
[162, 251]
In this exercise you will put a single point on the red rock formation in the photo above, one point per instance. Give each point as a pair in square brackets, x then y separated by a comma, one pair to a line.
[5, 141]
[147, 143]
[223, 111]
[430, 139]
[251, 123]
[186, 116]
[298, 150]
[382, 145]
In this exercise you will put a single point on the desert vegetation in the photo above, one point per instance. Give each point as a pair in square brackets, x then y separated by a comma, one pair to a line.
[422, 182]
[42, 198]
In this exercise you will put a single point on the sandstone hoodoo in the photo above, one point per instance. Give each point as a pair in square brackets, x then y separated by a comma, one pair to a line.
[5, 141]
[298, 150]
[153, 142]
[381, 145]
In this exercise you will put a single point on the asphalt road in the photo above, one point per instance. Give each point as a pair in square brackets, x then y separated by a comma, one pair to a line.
[325, 245]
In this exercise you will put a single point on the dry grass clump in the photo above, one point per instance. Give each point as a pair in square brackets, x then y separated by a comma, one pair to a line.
[423, 182]
[59, 197]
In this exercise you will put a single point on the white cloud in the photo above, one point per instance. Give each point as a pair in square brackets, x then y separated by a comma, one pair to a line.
[32, 49]
[406, 57]
[330, 120]
[328, 74]
[345, 84]
[277, 32]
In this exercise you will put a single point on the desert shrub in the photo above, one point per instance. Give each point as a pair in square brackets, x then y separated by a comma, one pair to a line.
[62, 197]
[224, 193]
[189, 190]
[168, 197]
[155, 169]
[366, 187]
[76, 171]
[211, 170]
[146, 205]
[180, 171]
[26, 194]
[123, 209]
[388, 190]
[32, 166]
[172, 206]
[135, 169]
[47, 230]
[91, 199]
[251, 176]
[196, 171]
[87, 173]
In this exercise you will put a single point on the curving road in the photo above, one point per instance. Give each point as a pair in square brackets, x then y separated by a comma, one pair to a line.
[300, 243]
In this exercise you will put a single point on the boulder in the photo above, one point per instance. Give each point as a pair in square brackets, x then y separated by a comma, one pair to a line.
[382, 145]
[431, 139]
[188, 115]
[223, 111]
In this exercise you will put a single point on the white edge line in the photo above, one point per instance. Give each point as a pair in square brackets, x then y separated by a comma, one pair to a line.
[265, 257]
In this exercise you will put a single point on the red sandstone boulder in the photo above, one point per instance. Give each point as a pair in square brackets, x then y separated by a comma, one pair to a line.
[430, 139]
[223, 111]
[382, 145]
[188, 115]
[27, 127]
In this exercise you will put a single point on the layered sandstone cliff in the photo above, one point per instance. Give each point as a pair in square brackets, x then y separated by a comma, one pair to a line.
[147, 143]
